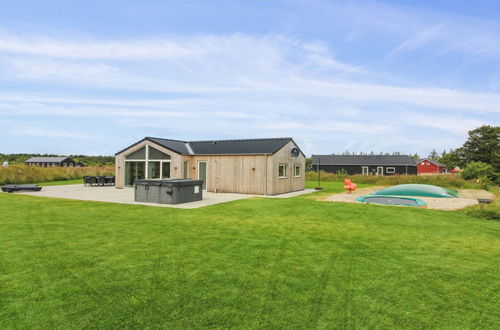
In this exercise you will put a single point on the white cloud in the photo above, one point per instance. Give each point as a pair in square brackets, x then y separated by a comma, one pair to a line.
[235, 86]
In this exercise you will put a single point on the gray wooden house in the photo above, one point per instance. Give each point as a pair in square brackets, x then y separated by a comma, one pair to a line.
[365, 164]
[251, 166]
[51, 161]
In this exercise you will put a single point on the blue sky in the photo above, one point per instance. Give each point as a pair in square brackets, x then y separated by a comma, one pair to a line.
[91, 77]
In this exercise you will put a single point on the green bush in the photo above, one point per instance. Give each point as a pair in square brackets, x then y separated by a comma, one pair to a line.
[481, 171]
[31, 174]
[484, 173]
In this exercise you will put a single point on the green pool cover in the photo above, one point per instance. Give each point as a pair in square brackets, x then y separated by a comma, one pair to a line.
[424, 190]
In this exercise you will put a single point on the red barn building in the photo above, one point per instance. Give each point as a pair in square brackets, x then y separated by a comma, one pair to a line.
[426, 165]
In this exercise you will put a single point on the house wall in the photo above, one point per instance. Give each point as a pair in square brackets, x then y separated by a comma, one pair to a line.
[243, 174]
[372, 169]
[175, 162]
[278, 185]
[426, 166]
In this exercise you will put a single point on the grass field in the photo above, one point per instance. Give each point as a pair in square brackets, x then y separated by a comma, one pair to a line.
[19, 174]
[255, 263]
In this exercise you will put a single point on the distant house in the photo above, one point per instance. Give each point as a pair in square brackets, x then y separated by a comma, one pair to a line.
[51, 161]
[365, 164]
[250, 166]
[426, 165]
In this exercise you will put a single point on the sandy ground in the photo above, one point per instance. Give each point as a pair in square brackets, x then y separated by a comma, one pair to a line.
[466, 197]
[126, 195]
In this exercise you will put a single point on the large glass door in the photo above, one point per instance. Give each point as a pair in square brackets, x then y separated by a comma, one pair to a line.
[153, 170]
[133, 171]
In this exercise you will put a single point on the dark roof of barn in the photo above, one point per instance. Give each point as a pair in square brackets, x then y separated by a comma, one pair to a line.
[46, 159]
[222, 147]
[365, 160]
[432, 161]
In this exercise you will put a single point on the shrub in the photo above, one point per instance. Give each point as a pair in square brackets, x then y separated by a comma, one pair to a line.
[342, 173]
[32, 174]
[476, 170]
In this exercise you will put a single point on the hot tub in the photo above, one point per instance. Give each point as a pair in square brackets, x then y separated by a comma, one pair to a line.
[174, 191]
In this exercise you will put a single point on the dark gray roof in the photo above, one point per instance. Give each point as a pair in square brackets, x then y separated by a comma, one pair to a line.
[249, 146]
[174, 145]
[46, 159]
[363, 160]
[222, 147]
[432, 161]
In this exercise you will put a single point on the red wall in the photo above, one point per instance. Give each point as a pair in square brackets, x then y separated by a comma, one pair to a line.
[430, 168]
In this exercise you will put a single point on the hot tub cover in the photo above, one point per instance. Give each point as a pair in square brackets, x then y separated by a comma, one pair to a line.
[424, 190]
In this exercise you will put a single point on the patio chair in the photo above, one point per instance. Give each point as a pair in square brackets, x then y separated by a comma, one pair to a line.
[110, 180]
[107, 180]
[101, 181]
[92, 180]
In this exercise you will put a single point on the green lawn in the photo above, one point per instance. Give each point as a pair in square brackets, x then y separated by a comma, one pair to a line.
[60, 183]
[255, 263]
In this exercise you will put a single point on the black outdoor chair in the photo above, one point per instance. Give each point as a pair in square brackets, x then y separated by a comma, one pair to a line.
[86, 180]
[92, 180]
[101, 181]
[110, 180]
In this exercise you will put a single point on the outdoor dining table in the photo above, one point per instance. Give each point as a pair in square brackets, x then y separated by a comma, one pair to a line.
[104, 180]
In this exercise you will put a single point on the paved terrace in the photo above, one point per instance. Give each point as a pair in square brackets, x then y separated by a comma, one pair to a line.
[126, 195]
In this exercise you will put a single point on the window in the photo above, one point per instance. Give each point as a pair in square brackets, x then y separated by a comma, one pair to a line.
[165, 170]
[138, 154]
[390, 170]
[157, 154]
[364, 170]
[282, 171]
[296, 171]
[186, 169]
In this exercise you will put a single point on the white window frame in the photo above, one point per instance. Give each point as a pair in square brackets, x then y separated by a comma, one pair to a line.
[365, 170]
[285, 171]
[295, 171]
[390, 170]
[146, 159]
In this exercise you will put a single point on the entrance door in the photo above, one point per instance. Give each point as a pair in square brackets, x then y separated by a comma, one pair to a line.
[364, 170]
[133, 171]
[380, 170]
[202, 173]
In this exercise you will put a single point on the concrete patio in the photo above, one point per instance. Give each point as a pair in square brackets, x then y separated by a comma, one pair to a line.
[126, 195]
